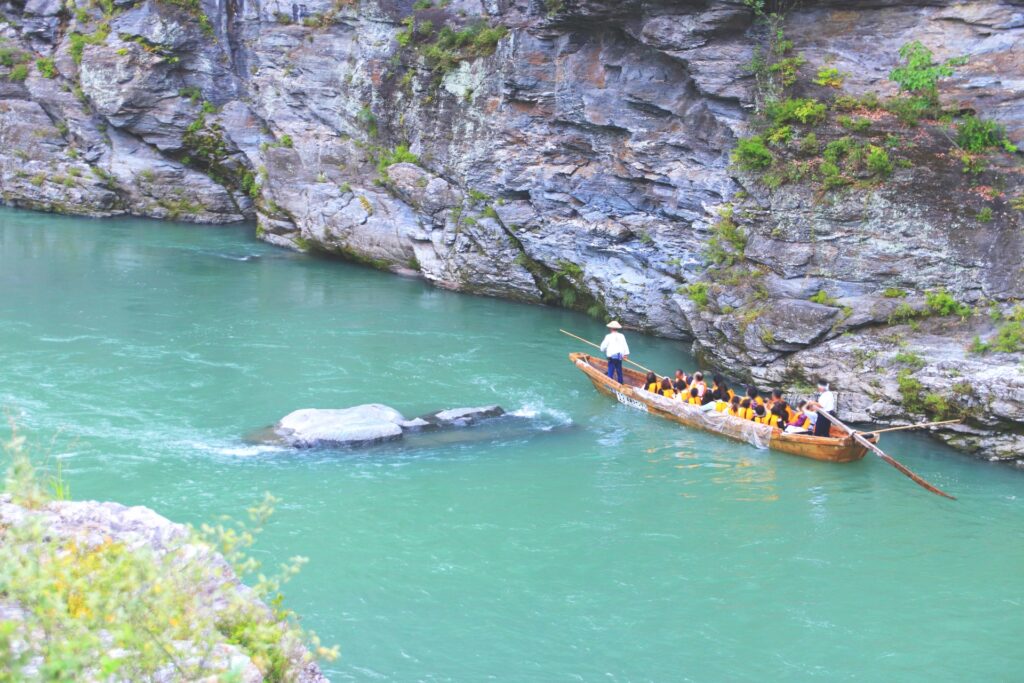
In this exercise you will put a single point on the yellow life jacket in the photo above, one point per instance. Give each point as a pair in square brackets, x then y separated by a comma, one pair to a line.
[721, 406]
[694, 401]
[746, 413]
[668, 392]
[773, 420]
[654, 387]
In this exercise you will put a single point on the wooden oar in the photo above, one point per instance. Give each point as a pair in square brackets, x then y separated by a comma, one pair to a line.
[882, 454]
[915, 426]
[599, 348]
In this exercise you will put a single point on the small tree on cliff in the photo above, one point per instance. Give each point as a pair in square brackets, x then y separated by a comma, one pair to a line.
[919, 74]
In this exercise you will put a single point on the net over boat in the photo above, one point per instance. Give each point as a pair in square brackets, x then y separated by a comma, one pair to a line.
[754, 433]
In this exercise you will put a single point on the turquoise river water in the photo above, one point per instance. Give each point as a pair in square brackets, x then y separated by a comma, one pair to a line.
[605, 546]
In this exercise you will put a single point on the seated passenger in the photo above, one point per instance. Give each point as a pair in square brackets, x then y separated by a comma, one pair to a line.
[698, 384]
[682, 382]
[776, 397]
[719, 390]
[780, 415]
[666, 388]
[694, 399]
[651, 383]
[754, 395]
[800, 423]
[734, 406]
[746, 412]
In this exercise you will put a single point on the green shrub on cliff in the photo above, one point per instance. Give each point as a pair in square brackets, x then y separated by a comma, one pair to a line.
[728, 241]
[698, 293]
[919, 74]
[46, 67]
[18, 74]
[796, 110]
[388, 158]
[1009, 337]
[822, 298]
[941, 302]
[878, 161]
[978, 135]
[752, 154]
[829, 77]
[78, 41]
[451, 47]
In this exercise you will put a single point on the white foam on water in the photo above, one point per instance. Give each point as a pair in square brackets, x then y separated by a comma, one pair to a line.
[535, 409]
[235, 450]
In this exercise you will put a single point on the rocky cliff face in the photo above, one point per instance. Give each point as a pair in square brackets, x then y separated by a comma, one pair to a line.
[574, 152]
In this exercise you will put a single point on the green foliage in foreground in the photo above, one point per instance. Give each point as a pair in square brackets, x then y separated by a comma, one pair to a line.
[108, 611]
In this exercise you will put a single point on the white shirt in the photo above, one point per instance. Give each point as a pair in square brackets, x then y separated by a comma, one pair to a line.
[614, 342]
[827, 401]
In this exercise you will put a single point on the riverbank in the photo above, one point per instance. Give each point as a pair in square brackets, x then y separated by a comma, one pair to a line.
[91, 590]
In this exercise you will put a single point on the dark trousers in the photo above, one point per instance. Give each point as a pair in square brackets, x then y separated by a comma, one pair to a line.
[615, 368]
[822, 426]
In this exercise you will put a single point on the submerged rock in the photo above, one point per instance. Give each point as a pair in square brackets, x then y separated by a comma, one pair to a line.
[462, 417]
[363, 425]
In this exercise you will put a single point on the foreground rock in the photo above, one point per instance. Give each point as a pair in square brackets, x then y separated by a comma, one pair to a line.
[93, 530]
[364, 424]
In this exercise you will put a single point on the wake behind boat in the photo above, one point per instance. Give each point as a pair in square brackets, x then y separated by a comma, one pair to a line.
[837, 447]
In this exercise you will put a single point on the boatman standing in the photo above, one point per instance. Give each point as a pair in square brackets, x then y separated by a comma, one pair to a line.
[826, 403]
[616, 349]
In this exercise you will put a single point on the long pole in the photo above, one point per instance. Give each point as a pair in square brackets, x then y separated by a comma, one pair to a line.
[919, 425]
[599, 348]
[882, 454]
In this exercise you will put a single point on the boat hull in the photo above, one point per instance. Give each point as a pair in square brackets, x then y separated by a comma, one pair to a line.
[836, 448]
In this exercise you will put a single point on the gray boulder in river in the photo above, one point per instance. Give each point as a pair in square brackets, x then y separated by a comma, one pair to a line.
[364, 424]
[579, 154]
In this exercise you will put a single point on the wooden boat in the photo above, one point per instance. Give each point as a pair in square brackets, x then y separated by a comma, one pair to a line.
[838, 447]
